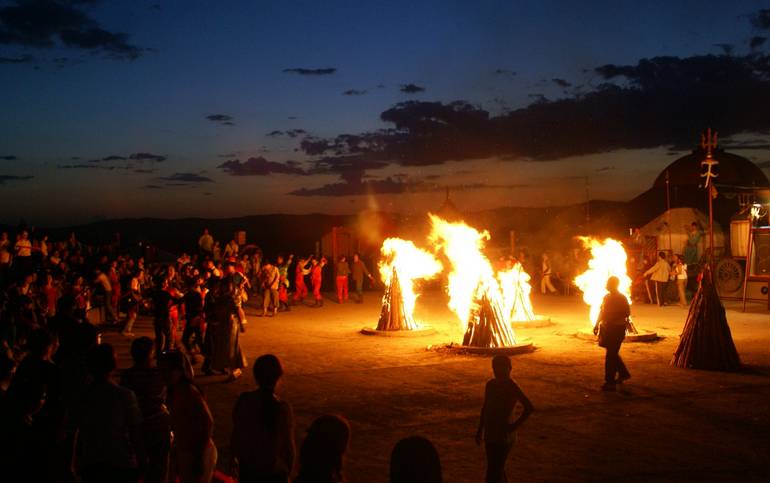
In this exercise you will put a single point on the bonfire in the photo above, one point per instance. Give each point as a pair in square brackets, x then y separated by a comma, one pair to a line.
[608, 258]
[517, 291]
[401, 266]
[474, 291]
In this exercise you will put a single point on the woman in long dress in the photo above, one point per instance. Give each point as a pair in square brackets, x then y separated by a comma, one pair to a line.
[223, 327]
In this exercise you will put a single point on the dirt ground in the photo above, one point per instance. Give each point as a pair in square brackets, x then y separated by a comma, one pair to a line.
[665, 424]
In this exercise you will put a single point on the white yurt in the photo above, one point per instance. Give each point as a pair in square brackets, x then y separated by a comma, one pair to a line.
[670, 229]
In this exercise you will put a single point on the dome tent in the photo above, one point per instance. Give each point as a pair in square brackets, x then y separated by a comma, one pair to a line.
[670, 230]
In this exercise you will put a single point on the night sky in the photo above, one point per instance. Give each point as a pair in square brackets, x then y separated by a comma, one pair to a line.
[218, 109]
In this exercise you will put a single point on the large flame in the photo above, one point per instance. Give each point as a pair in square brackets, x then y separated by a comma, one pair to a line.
[472, 278]
[608, 258]
[409, 263]
[516, 289]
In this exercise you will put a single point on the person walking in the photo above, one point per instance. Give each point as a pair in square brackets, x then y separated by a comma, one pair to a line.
[546, 286]
[497, 425]
[611, 330]
[359, 271]
[300, 288]
[271, 278]
[342, 270]
[660, 274]
[262, 441]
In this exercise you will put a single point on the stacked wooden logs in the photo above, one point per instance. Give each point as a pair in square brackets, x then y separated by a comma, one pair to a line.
[706, 341]
[488, 326]
[393, 316]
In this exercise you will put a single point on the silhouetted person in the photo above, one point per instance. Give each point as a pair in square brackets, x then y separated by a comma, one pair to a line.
[194, 453]
[322, 455]
[262, 442]
[497, 425]
[146, 380]
[109, 446]
[415, 460]
[611, 329]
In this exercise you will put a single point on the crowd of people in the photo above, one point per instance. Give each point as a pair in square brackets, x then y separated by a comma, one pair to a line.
[70, 416]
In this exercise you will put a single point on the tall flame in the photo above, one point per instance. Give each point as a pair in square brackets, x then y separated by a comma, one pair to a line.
[472, 278]
[608, 258]
[517, 300]
[409, 263]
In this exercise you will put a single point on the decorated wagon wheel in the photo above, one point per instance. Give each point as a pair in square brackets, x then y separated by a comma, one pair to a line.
[729, 275]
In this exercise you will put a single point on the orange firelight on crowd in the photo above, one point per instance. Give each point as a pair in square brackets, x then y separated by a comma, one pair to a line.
[401, 258]
[608, 258]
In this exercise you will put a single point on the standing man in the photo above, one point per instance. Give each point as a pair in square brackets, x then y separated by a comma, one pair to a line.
[316, 277]
[270, 281]
[343, 270]
[497, 427]
[102, 282]
[545, 283]
[206, 244]
[660, 274]
[611, 329]
[300, 271]
[359, 271]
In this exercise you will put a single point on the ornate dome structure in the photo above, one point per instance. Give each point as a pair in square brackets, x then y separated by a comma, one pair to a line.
[733, 170]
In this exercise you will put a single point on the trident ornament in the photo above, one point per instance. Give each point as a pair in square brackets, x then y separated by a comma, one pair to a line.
[708, 142]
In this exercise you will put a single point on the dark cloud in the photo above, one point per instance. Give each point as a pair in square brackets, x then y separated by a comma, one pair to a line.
[312, 72]
[41, 23]
[144, 171]
[223, 119]
[761, 19]
[228, 155]
[24, 59]
[505, 72]
[259, 166]
[9, 157]
[114, 157]
[4, 178]
[152, 187]
[663, 101]
[185, 178]
[757, 41]
[354, 92]
[727, 49]
[275, 133]
[147, 157]
[411, 88]
[293, 133]
[75, 158]
[561, 82]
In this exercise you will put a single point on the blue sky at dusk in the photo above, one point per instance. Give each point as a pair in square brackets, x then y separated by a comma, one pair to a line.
[218, 109]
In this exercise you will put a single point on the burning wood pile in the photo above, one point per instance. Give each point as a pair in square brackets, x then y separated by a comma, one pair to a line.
[474, 291]
[517, 293]
[608, 259]
[402, 265]
[706, 341]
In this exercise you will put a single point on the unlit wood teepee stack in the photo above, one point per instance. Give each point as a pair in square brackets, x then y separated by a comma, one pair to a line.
[487, 326]
[393, 316]
[706, 341]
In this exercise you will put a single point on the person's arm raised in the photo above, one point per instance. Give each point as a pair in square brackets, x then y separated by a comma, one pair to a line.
[528, 408]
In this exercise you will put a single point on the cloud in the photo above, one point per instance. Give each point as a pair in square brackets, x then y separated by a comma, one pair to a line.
[561, 82]
[411, 88]
[604, 168]
[275, 133]
[662, 101]
[354, 92]
[293, 133]
[223, 119]
[148, 157]
[761, 19]
[152, 187]
[144, 171]
[727, 49]
[24, 59]
[311, 72]
[45, 24]
[260, 166]
[184, 178]
[9, 157]
[10, 177]
[505, 72]
[228, 155]
[757, 41]
[114, 157]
